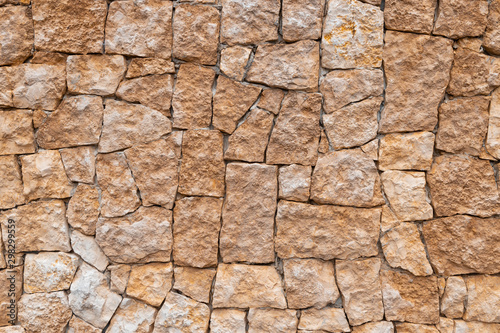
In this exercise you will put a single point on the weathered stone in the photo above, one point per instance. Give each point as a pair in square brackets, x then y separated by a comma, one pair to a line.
[445, 325]
[119, 275]
[302, 65]
[491, 39]
[49, 271]
[375, 327]
[233, 61]
[132, 316]
[16, 35]
[347, 178]
[176, 137]
[410, 15]
[192, 101]
[129, 232]
[458, 19]
[294, 182]
[90, 297]
[88, 249]
[194, 282]
[79, 164]
[272, 320]
[181, 314]
[76, 325]
[371, 149]
[126, 125]
[327, 319]
[150, 283]
[202, 168]
[44, 312]
[83, 209]
[40, 226]
[248, 214]
[118, 190]
[354, 124]
[9, 76]
[483, 298]
[227, 321]
[150, 24]
[149, 66]
[409, 151]
[39, 117]
[473, 327]
[301, 21]
[249, 21]
[248, 286]
[270, 100]
[324, 145]
[415, 328]
[388, 220]
[463, 124]
[50, 58]
[414, 299]
[154, 166]
[326, 232]
[353, 35]
[11, 282]
[11, 183]
[463, 244]
[453, 300]
[493, 139]
[16, 132]
[417, 69]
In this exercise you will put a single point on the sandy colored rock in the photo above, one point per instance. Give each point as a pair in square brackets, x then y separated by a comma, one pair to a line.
[150, 22]
[202, 168]
[44, 312]
[227, 321]
[453, 300]
[410, 15]
[249, 141]
[39, 117]
[347, 178]
[415, 328]
[483, 298]
[154, 166]
[371, 149]
[417, 70]
[233, 61]
[408, 151]
[248, 213]
[79, 164]
[13, 275]
[151, 223]
[119, 194]
[403, 248]
[49, 271]
[375, 327]
[176, 137]
[119, 275]
[463, 124]
[150, 283]
[83, 209]
[324, 145]
[294, 182]
[491, 39]
[16, 35]
[11, 183]
[463, 244]
[445, 325]
[181, 314]
[414, 299]
[194, 282]
[8, 79]
[90, 297]
[76, 325]
[88, 249]
[301, 20]
[327, 319]
[16, 132]
[354, 124]
[301, 72]
[272, 320]
[472, 327]
[126, 125]
[353, 35]
[493, 138]
[270, 100]
[460, 184]
[50, 58]
[149, 66]
[327, 232]
[458, 18]
[388, 220]
[132, 316]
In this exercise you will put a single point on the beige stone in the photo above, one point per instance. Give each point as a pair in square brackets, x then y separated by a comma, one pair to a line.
[371, 149]
[50, 58]
[16, 35]
[271, 99]
[415, 328]
[16, 132]
[327, 319]
[483, 298]
[83, 209]
[79, 163]
[302, 20]
[11, 281]
[294, 182]
[233, 61]
[194, 282]
[493, 138]
[11, 183]
[248, 213]
[410, 15]
[119, 275]
[44, 312]
[132, 316]
[9, 76]
[88, 249]
[327, 232]
[324, 145]
[375, 327]
[49, 271]
[473, 327]
[458, 18]
[129, 232]
[76, 325]
[176, 137]
[491, 39]
[453, 300]
[409, 151]
[446, 325]
[149, 66]
[39, 117]
[227, 321]
[388, 220]
[272, 320]
[300, 73]
[150, 283]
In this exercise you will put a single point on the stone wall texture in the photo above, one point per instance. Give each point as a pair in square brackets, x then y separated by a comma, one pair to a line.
[249, 166]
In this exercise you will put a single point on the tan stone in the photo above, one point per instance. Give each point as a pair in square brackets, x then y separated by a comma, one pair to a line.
[309, 282]
[202, 168]
[11, 281]
[493, 138]
[176, 137]
[129, 232]
[458, 18]
[327, 319]
[248, 214]
[324, 145]
[39, 117]
[371, 149]
[453, 300]
[375, 327]
[388, 220]
[83, 209]
[192, 101]
[149, 22]
[473, 327]
[445, 325]
[272, 320]
[227, 321]
[44, 312]
[16, 132]
[409, 151]
[150, 283]
[294, 182]
[88, 249]
[132, 316]
[194, 282]
[327, 232]
[417, 70]
[415, 328]
[353, 35]
[126, 125]
[271, 99]
[16, 36]
[79, 164]
[347, 178]
[119, 275]
[483, 298]
[9, 76]
[76, 325]
[302, 20]
[11, 183]
[149, 66]
[410, 15]
[491, 39]
[49, 271]
[50, 58]
[300, 73]
[233, 61]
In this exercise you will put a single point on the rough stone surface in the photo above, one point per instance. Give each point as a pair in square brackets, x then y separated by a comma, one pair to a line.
[327, 319]
[233, 61]
[410, 15]
[294, 182]
[194, 282]
[458, 19]
[16, 132]
[227, 320]
[149, 66]
[16, 37]
[79, 163]
[9, 285]
[119, 275]
[271, 99]
[411, 151]
[150, 283]
[415, 328]
[76, 325]
[44, 312]
[453, 300]
[302, 20]
[472, 327]
[375, 327]
[491, 40]
[83, 209]
[272, 320]
[11, 183]
[88, 249]
[132, 316]
[49, 271]
[483, 298]
[493, 138]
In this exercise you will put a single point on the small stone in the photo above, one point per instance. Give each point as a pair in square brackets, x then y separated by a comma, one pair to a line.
[353, 35]
[301, 21]
[196, 33]
[327, 319]
[39, 117]
[50, 58]
[233, 61]
[119, 275]
[118, 190]
[457, 19]
[9, 285]
[371, 149]
[129, 232]
[415, 328]
[132, 316]
[49, 271]
[150, 283]
[181, 314]
[407, 195]
[202, 169]
[453, 300]
[410, 15]
[327, 232]
[176, 137]
[149, 66]
[149, 22]
[347, 178]
[194, 282]
[354, 124]
[44, 312]
[294, 182]
[493, 139]
[76, 325]
[272, 320]
[17, 35]
[491, 39]
[295, 136]
[375, 327]
[11, 182]
[95, 74]
[324, 145]
[469, 43]
[16, 132]
[249, 21]
[270, 100]
[88, 249]
[473, 327]
[192, 101]
[79, 164]
[446, 325]
[249, 141]
[9, 76]
[388, 220]
[83, 209]
[309, 282]
[248, 214]
[408, 151]
[302, 65]
[227, 321]
[483, 298]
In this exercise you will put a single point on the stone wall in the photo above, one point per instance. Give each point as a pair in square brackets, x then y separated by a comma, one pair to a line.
[260, 166]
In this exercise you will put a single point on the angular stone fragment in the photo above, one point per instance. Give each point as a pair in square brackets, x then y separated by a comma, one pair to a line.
[16, 132]
[194, 282]
[9, 76]
[415, 328]
[301, 20]
[445, 325]
[409, 151]
[295, 182]
[353, 35]
[302, 65]
[202, 168]
[11, 282]
[83, 209]
[272, 320]
[119, 275]
[458, 19]
[473, 327]
[493, 138]
[149, 66]
[132, 316]
[76, 325]
[50, 58]
[88, 249]
[326, 232]
[49, 271]
[389, 220]
[149, 22]
[491, 39]
[270, 100]
[39, 117]
[248, 286]
[375, 327]
[17, 35]
[11, 183]
[44, 312]
[150, 283]
[233, 61]
[327, 319]
[324, 145]
[129, 232]
[483, 298]
[248, 214]
[227, 321]
[453, 300]
[79, 164]
[176, 137]
[410, 15]
[126, 125]
[371, 149]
